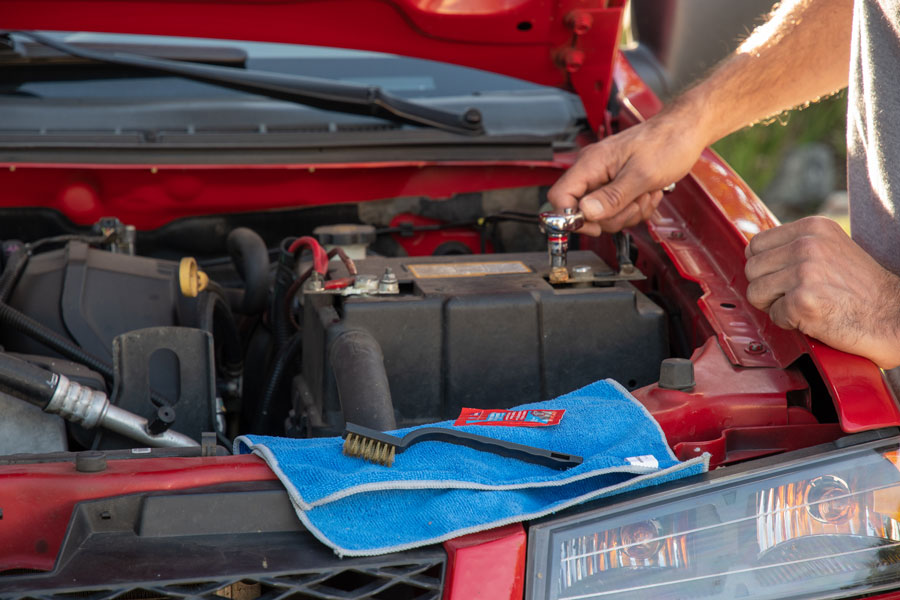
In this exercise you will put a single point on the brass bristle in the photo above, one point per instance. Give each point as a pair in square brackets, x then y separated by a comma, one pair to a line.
[381, 453]
[351, 445]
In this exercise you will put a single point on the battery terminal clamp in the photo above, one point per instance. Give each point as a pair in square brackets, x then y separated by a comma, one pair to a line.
[559, 225]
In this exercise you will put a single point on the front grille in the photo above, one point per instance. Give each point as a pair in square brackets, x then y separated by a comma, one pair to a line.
[242, 543]
[391, 581]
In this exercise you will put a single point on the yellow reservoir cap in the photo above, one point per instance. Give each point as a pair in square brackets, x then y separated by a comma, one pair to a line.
[191, 279]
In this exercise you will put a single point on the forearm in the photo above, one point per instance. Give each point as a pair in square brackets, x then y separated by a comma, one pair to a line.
[801, 54]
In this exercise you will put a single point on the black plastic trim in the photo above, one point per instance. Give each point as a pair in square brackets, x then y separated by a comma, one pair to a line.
[196, 543]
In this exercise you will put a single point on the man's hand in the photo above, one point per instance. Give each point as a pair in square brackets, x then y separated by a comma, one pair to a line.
[800, 54]
[809, 275]
[618, 181]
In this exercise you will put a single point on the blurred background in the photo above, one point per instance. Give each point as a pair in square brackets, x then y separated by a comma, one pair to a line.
[796, 162]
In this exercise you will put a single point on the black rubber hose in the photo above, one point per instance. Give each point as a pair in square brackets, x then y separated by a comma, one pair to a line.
[46, 336]
[250, 256]
[282, 361]
[215, 316]
[284, 276]
[27, 381]
[358, 365]
[14, 268]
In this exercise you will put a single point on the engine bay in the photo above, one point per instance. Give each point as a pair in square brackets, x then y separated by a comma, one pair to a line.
[401, 314]
[298, 336]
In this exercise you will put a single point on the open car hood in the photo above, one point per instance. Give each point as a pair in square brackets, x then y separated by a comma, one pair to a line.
[564, 43]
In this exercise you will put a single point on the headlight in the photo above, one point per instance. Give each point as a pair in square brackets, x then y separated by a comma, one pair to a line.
[819, 526]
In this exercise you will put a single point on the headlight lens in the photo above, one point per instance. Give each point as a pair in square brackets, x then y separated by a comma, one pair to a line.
[817, 527]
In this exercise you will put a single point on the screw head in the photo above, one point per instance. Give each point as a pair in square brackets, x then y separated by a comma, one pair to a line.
[472, 116]
[676, 235]
[580, 21]
[573, 59]
[756, 348]
[582, 273]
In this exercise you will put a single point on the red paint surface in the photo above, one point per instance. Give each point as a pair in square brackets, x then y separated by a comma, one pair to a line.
[37, 500]
[888, 596]
[528, 39]
[149, 196]
[736, 413]
[426, 243]
[739, 408]
[717, 214]
[862, 396]
[489, 565]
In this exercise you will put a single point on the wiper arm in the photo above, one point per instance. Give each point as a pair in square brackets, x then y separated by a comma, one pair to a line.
[311, 91]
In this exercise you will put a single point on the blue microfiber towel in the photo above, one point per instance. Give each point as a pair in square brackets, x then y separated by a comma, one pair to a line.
[436, 491]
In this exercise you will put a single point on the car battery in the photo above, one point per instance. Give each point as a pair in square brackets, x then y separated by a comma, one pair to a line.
[487, 331]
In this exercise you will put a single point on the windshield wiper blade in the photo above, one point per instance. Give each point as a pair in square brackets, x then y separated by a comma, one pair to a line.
[311, 91]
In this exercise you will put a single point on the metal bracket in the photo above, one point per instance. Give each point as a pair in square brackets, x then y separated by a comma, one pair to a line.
[193, 349]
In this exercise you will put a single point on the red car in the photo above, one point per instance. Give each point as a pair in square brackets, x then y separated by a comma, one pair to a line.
[158, 194]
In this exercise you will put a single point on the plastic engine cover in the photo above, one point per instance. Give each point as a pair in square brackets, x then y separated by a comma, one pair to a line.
[487, 332]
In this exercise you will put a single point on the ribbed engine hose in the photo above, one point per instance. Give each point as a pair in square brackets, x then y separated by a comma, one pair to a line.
[250, 256]
[284, 276]
[282, 361]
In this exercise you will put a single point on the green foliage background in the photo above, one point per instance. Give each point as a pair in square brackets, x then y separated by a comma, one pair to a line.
[755, 152]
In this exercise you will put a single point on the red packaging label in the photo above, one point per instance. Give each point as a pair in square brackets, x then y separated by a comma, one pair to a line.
[533, 417]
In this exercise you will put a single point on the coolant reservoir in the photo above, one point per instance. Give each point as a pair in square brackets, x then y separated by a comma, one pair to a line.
[354, 239]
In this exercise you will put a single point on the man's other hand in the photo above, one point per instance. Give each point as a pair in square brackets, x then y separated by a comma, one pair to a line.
[809, 275]
[617, 182]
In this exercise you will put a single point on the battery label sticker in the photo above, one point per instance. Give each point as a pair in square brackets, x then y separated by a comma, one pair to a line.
[510, 418]
[467, 269]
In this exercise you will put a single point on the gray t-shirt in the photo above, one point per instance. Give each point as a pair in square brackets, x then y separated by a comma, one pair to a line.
[873, 130]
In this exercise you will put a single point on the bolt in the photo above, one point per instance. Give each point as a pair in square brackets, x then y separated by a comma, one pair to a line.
[573, 59]
[676, 235]
[580, 21]
[756, 348]
[389, 283]
[472, 116]
[581, 270]
[314, 283]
